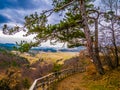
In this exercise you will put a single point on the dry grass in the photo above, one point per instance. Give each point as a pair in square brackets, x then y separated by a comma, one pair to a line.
[72, 83]
[2, 75]
[90, 80]
[82, 81]
[31, 59]
[50, 57]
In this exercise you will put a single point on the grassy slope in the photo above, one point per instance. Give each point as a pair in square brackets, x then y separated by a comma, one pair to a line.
[84, 81]
[91, 80]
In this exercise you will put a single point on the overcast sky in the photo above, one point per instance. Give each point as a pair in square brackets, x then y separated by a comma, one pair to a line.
[12, 12]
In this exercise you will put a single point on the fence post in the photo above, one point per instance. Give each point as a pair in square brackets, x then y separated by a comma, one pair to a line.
[43, 86]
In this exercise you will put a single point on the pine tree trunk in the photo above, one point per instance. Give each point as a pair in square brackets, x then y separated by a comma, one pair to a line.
[96, 39]
[92, 54]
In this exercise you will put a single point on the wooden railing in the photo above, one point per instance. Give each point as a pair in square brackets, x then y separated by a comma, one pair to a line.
[44, 82]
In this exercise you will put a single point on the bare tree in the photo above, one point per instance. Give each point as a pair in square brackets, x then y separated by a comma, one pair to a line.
[111, 27]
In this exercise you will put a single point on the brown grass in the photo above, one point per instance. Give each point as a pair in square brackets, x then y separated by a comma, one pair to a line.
[72, 83]
[91, 80]
[50, 57]
[82, 81]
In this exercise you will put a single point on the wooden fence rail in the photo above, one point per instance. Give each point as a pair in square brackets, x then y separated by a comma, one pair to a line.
[44, 82]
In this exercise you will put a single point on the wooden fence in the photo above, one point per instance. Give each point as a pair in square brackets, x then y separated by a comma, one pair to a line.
[44, 82]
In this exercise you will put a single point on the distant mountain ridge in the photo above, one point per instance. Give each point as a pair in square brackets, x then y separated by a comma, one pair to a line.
[7, 46]
[10, 46]
[55, 49]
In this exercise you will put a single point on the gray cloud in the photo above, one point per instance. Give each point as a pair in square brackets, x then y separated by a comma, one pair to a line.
[16, 10]
[12, 12]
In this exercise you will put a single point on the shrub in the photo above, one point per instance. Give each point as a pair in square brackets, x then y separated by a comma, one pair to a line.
[40, 69]
[11, 81]
[91, 70]
[26, 83]
[7, 60]
[57, 67]
[4, 84]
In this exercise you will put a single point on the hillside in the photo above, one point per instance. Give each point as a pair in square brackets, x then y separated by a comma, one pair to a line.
[24, 68]
[7, 59]
[90, 79]
[83, 81]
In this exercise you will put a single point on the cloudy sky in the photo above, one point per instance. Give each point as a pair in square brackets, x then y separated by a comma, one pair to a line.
[12, 12]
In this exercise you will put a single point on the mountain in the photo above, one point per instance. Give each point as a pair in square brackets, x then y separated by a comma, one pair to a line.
[7, 46]
[44, 49]
[10, 46]
[55, 49]
[76, 49]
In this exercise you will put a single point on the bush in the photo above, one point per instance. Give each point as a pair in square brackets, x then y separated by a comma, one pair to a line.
[57, 67]
[11, 81]
[91, 70]
[7, 60]
[4, 84]
[26, 83]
